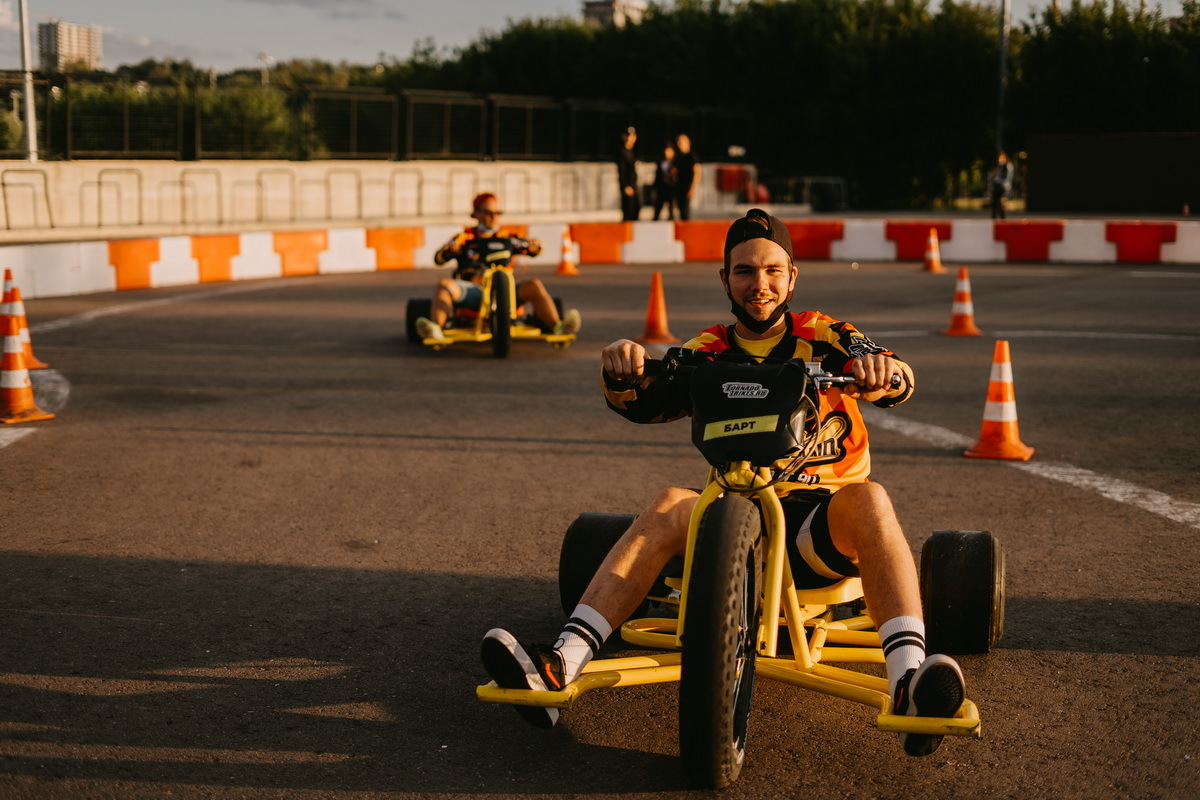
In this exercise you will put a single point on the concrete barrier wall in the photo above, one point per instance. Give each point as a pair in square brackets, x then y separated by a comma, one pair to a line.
[65, 268]
[110, 199]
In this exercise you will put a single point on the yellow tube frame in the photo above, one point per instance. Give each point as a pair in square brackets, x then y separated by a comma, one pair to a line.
[814, 635]
[497, 278]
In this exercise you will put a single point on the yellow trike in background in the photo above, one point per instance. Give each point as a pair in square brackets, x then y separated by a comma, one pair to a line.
[499, 319]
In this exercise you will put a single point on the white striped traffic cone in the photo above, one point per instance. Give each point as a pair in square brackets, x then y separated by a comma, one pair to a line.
[962, 313]
[15, 307]
[933, 254]
[566, 265]
[999, 438]
[16, 390]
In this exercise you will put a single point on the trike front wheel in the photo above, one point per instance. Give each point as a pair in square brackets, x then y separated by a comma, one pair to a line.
[719, 642]
[500, 319]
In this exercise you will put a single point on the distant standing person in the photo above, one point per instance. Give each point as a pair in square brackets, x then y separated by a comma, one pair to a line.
[631, 203]
[1002, 180]
[664, 182]
[687, 175]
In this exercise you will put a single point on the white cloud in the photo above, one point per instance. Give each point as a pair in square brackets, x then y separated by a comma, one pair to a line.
[8, 16]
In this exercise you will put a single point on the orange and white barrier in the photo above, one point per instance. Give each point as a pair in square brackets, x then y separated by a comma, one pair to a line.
[975, 241]
[56, 269]
[652, 242]
[863, 240]
[998, 437]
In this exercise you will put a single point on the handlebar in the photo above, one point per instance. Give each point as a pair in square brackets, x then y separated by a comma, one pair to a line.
[681, 359]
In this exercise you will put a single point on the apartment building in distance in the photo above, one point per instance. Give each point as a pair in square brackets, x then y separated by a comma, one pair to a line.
[616, 12]
[65, 44]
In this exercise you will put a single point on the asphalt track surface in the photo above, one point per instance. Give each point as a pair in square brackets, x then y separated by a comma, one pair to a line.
[254, 554]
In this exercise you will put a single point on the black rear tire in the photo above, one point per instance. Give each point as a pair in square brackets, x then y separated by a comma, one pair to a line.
[723, 606]
[503, 295]
[585, 546]
[417, 307]
[962, 592]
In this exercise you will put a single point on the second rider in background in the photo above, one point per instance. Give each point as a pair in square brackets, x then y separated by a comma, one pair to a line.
[463, 291]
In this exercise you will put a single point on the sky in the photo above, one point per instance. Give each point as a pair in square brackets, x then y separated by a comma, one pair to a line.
[230, 34]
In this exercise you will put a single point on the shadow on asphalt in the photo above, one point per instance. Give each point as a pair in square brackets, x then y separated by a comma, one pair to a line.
[280, 677]
[299, 678]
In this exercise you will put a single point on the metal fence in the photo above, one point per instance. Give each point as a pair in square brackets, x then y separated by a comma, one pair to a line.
[82, 118]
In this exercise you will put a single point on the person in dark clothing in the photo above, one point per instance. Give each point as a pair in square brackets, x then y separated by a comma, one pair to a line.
[687, 175]
[1002, 181]
[627, 176]
[664, 182]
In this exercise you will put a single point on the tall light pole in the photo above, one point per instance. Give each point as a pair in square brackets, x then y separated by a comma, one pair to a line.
[30, 107]
[265, 60]
[1002, 83]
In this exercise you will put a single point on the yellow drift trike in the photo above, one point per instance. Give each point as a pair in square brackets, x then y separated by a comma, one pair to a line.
[732, 612]
[499, 319]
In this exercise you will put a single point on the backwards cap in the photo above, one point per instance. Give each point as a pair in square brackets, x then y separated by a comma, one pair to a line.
[757, 224]
[480, 199]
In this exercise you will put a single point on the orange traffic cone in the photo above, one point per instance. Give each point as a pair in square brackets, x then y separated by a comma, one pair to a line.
[933, 255]
[962, 313]
[14, 307]
[565, 265]
[999, 437]
[656, 315]
[16, 390]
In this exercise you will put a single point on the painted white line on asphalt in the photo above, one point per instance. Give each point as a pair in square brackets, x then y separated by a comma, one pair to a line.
[1146, 499]
[939, 437]
[1171, 337]
[10, 435]
[88, 316]
[1111, 488]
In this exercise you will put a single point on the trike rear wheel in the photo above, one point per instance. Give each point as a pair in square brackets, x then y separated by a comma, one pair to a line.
[719, 642]
[417, 307]
[962, 591]
[585, 546]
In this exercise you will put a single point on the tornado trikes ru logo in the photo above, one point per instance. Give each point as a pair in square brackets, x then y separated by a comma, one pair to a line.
[735, 389]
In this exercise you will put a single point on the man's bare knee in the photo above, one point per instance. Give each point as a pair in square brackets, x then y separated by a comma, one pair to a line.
[665, 519]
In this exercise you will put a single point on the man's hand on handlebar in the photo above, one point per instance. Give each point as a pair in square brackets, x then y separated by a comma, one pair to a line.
[876, 376]
[625, 360]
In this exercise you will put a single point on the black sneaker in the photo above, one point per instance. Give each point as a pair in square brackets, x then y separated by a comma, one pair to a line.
[516, 666]
[934, 689]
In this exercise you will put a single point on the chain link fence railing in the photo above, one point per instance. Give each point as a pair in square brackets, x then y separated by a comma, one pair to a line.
[93, 117]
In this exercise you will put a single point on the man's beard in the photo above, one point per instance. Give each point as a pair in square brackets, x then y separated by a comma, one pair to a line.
[759, 326]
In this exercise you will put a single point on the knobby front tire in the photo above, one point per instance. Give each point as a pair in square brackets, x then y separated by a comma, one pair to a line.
[719, 645]
[501, 312]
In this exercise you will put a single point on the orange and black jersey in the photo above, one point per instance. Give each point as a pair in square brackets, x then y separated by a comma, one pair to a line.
[843, 455]
[477, 250]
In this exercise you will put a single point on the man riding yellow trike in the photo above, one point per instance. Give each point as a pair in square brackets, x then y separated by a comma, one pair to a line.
[482, 301]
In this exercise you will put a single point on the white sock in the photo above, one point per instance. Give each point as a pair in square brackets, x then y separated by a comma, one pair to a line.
[903, 640]
[581, 639]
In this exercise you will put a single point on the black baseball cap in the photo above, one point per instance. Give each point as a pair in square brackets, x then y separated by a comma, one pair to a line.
[757, 224]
